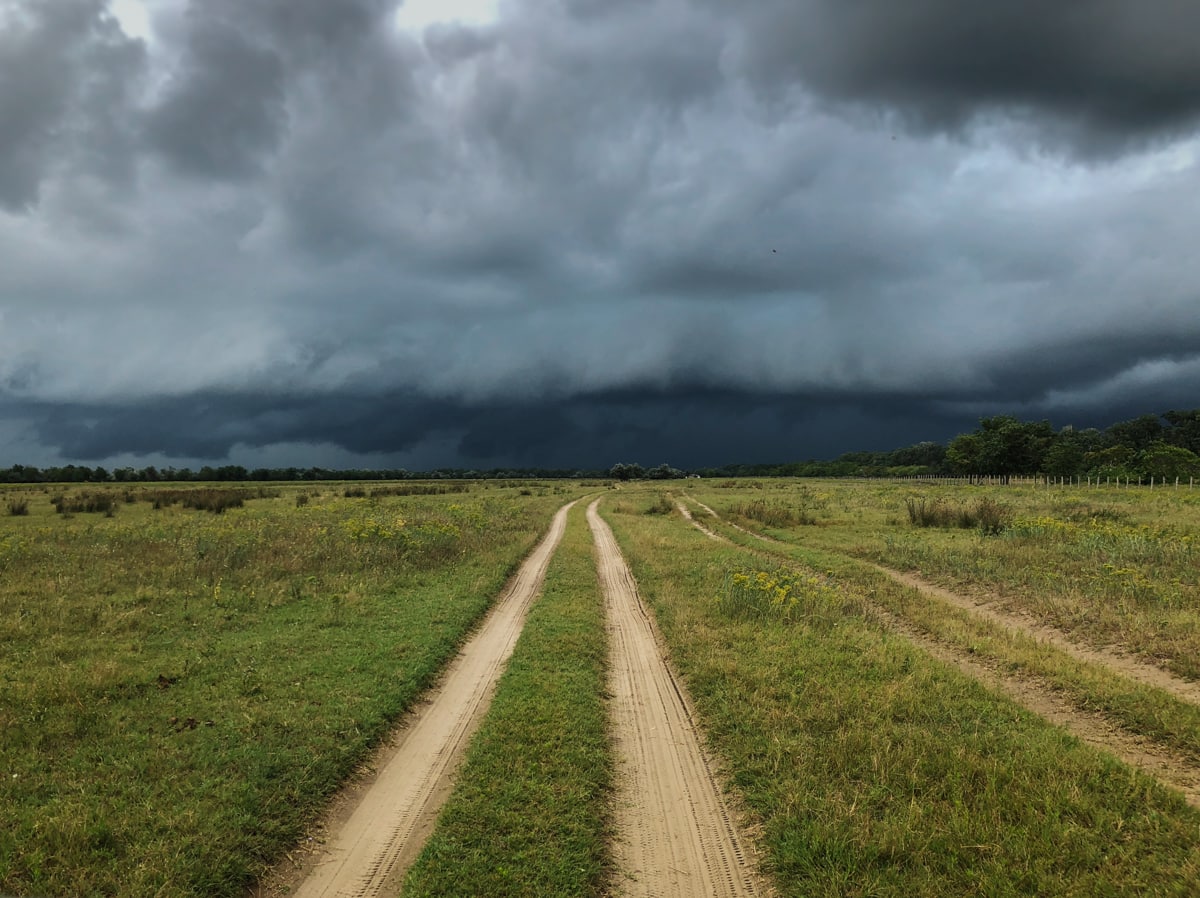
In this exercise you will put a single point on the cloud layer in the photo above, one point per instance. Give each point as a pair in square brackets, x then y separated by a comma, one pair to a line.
[667, 230]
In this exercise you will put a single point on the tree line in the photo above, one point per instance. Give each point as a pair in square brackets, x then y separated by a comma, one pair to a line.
[1162, 446]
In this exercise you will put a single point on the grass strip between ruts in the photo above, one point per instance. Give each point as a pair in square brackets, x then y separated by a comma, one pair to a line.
[528, 815]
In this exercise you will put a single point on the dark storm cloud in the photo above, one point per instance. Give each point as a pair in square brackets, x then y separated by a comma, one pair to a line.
[1100, 73]
[65, 71]
[223, 113]
[672, 230]
[684, 427]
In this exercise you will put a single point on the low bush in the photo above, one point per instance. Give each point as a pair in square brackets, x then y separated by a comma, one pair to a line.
[774, 513]
[986, 515]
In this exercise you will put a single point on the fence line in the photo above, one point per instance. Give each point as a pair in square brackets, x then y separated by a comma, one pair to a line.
[1038, 480]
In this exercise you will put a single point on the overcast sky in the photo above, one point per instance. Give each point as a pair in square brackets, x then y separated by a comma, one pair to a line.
[575, 232]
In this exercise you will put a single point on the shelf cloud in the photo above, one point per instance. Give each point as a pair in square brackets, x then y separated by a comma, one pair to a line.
[680, 230]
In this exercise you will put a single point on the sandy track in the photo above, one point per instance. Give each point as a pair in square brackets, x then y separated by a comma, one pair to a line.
[687, 514]
[675, 834]
[1125, 665]
[1170, 768]
[376, 843]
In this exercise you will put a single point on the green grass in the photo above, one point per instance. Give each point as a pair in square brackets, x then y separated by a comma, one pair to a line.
[181, 691]
[528, 815]
[1110, 566]
[1138, 708]
[876, 770]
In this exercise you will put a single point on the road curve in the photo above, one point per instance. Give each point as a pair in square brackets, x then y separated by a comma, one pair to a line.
[675, 835]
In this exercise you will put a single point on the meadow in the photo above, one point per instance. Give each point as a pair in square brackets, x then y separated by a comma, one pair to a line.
[871, 767]
[182, 688]
[188, 674]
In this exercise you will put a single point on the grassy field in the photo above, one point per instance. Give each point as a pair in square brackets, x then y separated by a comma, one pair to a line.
[874, 769]
[180, 690]
[1112, 566]
[186, 675]
[843, 527]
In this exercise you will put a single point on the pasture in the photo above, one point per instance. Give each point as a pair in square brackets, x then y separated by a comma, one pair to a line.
[182, 690]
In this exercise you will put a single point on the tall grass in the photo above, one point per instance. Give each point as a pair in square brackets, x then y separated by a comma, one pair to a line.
[985, 515]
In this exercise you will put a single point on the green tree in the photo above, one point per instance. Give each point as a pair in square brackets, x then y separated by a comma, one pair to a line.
[1137, 433]
[1163, 461]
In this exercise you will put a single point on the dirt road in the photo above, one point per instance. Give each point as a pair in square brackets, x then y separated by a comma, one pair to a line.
[675, 835]
[369, 851]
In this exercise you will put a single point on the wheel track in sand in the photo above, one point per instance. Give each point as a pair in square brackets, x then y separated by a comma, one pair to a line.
[372, 847]
[675, 834]
[1167, 766]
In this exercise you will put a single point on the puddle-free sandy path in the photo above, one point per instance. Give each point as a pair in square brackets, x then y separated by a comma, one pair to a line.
[675, 834]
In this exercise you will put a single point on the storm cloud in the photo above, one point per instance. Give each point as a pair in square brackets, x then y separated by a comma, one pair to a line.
[679, 230]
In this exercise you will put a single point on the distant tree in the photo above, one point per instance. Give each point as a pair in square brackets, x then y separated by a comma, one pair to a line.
[1184, 430]
[1114, 461]
[1166, 462]
[964, 454]
[1067, 453]
[1138, 433]
[664, 472]
[624, 471]
[1002, 445]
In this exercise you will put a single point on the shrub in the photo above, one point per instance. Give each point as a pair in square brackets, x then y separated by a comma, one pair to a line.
[662, 505]
[88, 503]
[774, 514]
[987, 515]
[18, 507]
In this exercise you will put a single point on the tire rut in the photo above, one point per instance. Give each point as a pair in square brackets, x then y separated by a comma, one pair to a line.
[1126, 666]
[372, 845]
[1166, 766]
[675, 834]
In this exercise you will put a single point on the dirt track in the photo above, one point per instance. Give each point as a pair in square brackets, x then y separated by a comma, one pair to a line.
[369, 850]
[675, 835]
[1167, 766]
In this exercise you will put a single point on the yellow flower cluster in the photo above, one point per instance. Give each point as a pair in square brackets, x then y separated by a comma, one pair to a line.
[373, 528]
[782, 591]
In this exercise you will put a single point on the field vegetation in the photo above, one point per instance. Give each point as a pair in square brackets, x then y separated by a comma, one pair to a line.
[181, 690]
[190, 671]
[872, 768]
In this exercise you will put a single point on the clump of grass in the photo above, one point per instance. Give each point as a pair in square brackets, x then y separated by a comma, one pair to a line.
[18, 507]
[86, 503]
[1086, 514]
[774, 513]
[213, 499]
[987, 515]
[661, 505]
[787, 593]
[419, 489]
[354, 492]
[301, 500]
